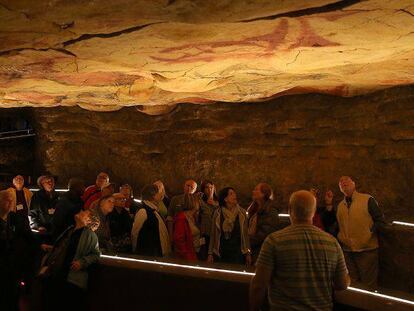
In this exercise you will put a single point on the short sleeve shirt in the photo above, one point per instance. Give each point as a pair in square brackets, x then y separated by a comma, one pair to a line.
[304, 261]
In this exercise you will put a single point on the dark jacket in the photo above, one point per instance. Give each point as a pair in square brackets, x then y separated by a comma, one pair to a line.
[100, 224]
[67, 207]
[120, 224]
[8, 283]
[148, 242]
[17, 247]
[267, 222]
[42, 209]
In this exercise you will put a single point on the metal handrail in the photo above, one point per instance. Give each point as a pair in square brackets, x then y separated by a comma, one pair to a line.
[17, 131]
[17, 136]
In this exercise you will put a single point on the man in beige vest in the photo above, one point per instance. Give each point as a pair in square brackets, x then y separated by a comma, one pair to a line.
[359, 217]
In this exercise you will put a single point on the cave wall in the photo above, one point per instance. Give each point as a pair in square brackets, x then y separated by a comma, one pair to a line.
[291, 142]
[17, 154]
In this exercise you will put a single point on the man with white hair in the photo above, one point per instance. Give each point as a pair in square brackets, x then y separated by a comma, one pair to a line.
[359, 218]
[299, 265]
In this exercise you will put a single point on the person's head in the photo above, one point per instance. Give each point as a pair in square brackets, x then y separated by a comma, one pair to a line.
[346, 185]
[126, 191]
[161, 188]
[5, 203]
[18, 182]
[208, 189]
[120, 200]
[316, 193]
[83, 218]
[108, 189]
[106, 204]
[102, 179]
[46, 183]
[302, 207]
[227, 196]
[76, 186]
[262, 192]
[190, 186]
[191, 203]
[151, 193]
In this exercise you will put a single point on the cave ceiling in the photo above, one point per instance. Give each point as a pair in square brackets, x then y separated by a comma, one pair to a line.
[103, 55]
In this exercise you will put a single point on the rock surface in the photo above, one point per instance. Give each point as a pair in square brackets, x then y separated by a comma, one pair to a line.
[292, 142]
[103, 55]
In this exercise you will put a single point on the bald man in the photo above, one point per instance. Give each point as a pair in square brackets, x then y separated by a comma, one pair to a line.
[300, 265]
[359, 218]
[177, 204]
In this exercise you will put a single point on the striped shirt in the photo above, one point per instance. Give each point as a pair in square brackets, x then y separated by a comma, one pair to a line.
[304, 261]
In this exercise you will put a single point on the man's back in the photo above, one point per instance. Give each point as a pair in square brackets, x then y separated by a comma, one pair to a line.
[305, 262]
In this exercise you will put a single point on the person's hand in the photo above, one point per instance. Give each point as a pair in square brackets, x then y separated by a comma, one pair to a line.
[42, 229]
[248, 260]
[329, 199]
[46, 248]
[76, 265]
[210, 259]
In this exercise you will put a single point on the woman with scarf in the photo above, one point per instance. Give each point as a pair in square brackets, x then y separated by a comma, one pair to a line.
[229, 239]
[149, 234]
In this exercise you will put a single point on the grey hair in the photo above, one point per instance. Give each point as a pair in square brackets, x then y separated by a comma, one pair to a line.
[302, 205]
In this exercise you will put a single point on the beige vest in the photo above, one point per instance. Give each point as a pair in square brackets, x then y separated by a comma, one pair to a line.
[27, 194]
[356, 223]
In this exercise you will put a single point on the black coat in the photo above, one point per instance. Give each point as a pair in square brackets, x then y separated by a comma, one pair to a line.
[42, 209]
[148, 242]
[67, 207]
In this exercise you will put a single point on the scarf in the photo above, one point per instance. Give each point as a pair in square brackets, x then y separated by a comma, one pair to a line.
[164, 237]
[229, 219]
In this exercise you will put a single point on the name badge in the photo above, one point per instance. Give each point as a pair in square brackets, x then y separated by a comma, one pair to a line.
[51, 211]
[19, 207]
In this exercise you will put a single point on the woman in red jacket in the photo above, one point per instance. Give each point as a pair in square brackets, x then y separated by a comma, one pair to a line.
[186, 238]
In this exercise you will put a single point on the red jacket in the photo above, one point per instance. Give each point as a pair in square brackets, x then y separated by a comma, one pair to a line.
[183, 238]
[91, 194]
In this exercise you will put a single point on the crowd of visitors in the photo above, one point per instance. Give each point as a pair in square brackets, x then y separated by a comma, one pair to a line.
[72, 228]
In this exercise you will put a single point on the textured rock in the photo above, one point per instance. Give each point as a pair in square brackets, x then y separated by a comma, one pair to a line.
[107, 54]
[16, 155]
[291, 142]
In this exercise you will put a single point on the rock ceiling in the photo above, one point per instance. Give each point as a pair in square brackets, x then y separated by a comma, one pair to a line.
[105, 54]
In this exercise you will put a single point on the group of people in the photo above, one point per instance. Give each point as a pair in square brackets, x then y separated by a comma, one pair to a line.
[199, 224]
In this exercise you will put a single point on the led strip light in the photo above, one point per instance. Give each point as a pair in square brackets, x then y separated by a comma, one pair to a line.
[363, 291]
[403, 223]
[154, 262]
[57, 190]
[168, 264]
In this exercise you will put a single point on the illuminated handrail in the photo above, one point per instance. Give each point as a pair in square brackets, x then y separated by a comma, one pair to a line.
[402, 223]
[226, 271]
